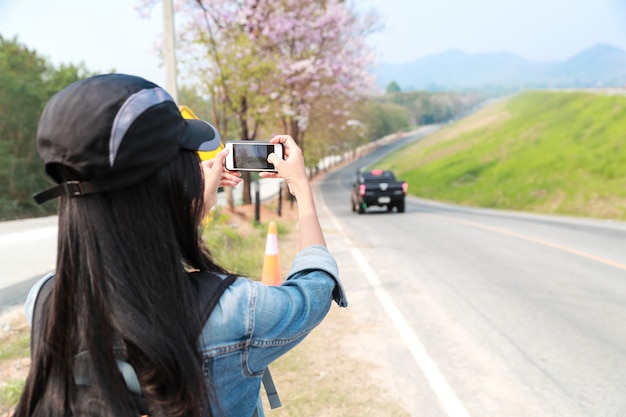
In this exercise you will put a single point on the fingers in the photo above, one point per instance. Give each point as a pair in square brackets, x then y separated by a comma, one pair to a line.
[275, 160]
[217, 174]
[292, 168]
[266, 174]
[289, 145]
[230, 178]
[291, 163]
[217, 162]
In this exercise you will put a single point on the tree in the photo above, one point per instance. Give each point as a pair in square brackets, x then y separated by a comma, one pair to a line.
[386, 118]
[27, 81]
[393, 87]
[269, 65]
[322, 51]
[427, 107]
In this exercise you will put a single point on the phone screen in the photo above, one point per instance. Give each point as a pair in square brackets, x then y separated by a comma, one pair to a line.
[252, 156]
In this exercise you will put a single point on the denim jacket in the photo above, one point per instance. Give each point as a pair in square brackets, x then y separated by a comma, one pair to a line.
[254, 324]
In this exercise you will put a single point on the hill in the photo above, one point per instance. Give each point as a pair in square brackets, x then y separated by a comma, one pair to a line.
[545, 152]
[598, 66]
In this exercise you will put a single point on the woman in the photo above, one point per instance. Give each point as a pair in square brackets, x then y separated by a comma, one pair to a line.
[132, 192]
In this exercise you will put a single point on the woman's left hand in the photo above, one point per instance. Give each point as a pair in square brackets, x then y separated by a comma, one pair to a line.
[215, 176]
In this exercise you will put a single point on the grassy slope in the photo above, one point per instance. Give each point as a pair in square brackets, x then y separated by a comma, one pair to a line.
[546, 152]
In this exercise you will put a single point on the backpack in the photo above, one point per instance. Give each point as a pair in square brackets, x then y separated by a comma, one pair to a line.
[209, 288]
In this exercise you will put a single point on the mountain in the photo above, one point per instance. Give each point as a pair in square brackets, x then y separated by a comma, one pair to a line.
[599, 66]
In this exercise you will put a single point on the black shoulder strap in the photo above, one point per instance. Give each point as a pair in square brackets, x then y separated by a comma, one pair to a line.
[209, 288]
[38, 316]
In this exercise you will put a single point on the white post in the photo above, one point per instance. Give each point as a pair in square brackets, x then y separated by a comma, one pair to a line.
[170, 49]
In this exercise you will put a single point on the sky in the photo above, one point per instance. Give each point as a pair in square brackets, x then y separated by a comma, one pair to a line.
[111, 35]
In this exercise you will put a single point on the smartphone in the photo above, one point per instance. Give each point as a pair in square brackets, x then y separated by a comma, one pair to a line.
[250, 155]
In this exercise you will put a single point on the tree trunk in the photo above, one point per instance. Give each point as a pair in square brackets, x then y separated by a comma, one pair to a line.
[247, 194]
[230, 200]
[245, 135]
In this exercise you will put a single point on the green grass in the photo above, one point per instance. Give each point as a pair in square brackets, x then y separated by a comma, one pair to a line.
[545, 152]
[16, 348]
[11, 392]
[13, 347]
[240, 252]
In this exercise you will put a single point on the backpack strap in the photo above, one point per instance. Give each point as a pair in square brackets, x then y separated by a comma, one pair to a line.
[39, 320]
[209, 288]
[270, 389]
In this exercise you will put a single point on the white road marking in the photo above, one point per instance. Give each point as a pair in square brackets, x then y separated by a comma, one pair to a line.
[448, 399]
[438, 383]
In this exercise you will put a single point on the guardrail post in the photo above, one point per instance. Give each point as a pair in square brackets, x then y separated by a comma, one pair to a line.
[280, 199]
[257, 202]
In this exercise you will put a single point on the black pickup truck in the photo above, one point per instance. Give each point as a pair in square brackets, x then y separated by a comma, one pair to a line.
[377, 188]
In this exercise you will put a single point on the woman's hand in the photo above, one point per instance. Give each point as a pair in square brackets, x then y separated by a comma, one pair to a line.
[215, 176]
[292, 168]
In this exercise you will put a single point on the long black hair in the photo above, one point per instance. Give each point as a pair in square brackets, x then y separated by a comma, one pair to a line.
[121, 282]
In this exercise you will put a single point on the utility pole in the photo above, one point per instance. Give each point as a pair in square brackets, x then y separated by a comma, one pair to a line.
[170, 49]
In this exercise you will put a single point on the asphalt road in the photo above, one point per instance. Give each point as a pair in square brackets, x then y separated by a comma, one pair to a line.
[27, 252]
[484, 313]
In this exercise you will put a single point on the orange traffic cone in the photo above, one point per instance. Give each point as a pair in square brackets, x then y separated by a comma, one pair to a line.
[271, 264]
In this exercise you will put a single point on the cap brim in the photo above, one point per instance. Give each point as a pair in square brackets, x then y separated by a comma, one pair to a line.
[200, 136]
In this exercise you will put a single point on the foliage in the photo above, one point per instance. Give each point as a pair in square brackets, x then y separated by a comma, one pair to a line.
[271, 67]
[428, 108]
[288, 54]
[393, 87]
[239, 252]
[548, 152]
[386, 118]
[15, 348]
[201, 106]
[27, 81]
[10, 392]
[324, 60]
[399, 111]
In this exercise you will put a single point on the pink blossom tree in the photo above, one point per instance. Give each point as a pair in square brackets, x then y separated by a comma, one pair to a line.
[274, 63]
[322, 55]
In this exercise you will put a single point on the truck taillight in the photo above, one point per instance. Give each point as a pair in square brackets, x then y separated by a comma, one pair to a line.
[405, 187]
[362, 189]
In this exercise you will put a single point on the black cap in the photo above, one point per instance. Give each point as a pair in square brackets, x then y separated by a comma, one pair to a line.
[113, 131]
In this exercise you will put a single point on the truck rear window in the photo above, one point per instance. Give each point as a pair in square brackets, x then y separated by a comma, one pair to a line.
[378, 175]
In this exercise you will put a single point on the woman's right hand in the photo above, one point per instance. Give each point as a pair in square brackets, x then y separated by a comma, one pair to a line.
[291, 168]
[293, 171]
